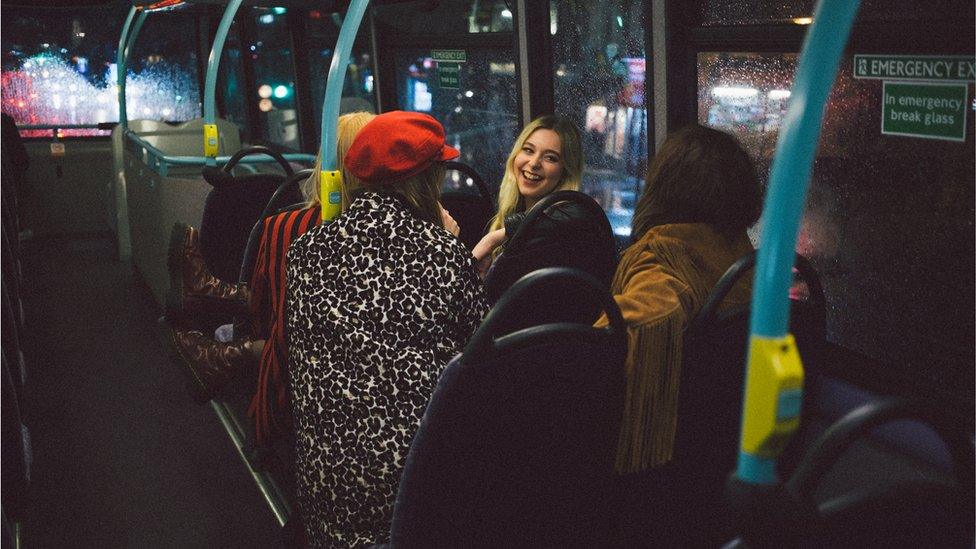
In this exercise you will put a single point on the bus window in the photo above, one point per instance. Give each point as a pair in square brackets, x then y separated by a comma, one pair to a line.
[889, 218]
[232, 87]
[759, 12]
[462, 72]
[462, 17]
[358, 92]
[478, 116]
[599, 57]
[59, 67]
[273, 66]
[163, 82]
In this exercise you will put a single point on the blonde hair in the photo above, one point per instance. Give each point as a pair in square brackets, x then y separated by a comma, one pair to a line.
[347, 127]
[509, 199]
[422, 192]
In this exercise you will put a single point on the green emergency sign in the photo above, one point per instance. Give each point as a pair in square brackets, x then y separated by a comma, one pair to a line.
[449, 76]
[933, 111]
[450, 56]
[449, 67]
[915, 67]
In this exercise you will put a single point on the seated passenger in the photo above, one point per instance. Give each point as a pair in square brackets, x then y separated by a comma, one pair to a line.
[689, 226]
[546, 157]
[212, 364]
[377, 303]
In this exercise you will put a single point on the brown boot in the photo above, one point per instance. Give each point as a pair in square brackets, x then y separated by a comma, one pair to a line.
[193, 290]
[209, 364]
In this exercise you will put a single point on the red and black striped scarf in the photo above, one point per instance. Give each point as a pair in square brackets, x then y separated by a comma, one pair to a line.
[268, 407]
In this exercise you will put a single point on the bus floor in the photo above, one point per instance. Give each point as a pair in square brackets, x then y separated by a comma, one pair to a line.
[122, 457]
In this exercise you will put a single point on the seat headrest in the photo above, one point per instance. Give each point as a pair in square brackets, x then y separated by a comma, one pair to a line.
[217, 177]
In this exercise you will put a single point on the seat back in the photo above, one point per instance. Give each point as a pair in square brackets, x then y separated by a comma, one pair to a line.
[517, 443]
[565, 229]
[470, 203]
[231, 209]
[681, 503]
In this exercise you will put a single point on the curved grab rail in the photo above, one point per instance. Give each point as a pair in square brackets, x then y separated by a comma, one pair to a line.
[485, 337]
[160, 161]
[735, 273]
[210, 136]
[476, 178]
[331, 179]
[774, 376]
[258, 149]
[859, 422]
[131, 28]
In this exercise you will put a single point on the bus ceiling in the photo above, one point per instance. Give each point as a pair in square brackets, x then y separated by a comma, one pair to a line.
[329, 7]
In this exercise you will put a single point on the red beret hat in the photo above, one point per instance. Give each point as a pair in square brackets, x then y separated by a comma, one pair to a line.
[397, 145]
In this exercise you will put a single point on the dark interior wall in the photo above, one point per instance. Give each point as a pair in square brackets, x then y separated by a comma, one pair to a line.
[73, 199]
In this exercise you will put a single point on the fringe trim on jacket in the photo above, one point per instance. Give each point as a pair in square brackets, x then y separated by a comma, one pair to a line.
[661, 283]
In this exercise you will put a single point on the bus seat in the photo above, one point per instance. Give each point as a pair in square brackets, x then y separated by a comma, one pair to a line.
[681, 503]
[565, 229]
[911, 512]
[16, 460]
[516, 446]
[471, 210]
[186, 138]
[231, 209]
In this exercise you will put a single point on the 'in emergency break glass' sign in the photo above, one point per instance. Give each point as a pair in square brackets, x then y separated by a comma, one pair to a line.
[917, 109]
[449, 67]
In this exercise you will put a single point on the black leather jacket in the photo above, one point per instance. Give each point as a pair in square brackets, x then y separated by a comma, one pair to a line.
[567, 234]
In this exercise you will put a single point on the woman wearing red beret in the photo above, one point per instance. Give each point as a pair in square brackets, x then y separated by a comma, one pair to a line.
[377, 303]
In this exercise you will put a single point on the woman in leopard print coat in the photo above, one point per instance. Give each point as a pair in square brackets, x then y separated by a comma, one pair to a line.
[378, 301]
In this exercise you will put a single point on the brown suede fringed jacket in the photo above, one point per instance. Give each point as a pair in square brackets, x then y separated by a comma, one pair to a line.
[660, 285]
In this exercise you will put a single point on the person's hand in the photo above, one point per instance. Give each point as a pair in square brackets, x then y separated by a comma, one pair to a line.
[482, 250]
[449, 223]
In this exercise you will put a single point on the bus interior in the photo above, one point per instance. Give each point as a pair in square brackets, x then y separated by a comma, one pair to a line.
[102, 446]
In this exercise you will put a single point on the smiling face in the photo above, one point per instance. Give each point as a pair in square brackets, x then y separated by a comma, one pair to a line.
[538, 166]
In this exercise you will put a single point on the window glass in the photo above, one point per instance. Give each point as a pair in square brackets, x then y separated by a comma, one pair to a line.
[59, 67]
[163, 82]
[357, 90]
[275, 77]
[460, 17]
[231, 84]
[478, 115]
[757, 12]
[599, 56]
[888, 221]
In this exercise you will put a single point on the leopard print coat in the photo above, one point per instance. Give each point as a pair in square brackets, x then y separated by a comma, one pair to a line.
[378, 301]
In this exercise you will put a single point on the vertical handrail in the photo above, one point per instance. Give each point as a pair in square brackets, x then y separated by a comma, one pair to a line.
[210, 85]
[125, 42]
[330, 196]
[774, 376]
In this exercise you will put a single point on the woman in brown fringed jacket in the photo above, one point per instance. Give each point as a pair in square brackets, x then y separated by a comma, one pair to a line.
[689, 226]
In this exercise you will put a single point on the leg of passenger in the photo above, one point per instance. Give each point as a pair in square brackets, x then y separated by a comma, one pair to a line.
[193, 290]
[209, 364]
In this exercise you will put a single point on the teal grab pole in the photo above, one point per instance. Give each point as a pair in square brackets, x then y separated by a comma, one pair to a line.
[793, 164]
[136, 28]
[120, 64]
[788, 182]
[337, 76]
[213, 64]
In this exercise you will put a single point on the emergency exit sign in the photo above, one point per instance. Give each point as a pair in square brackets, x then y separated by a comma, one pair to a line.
[449, 56]
[927, 110]
[449, 67]
[915, 67]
